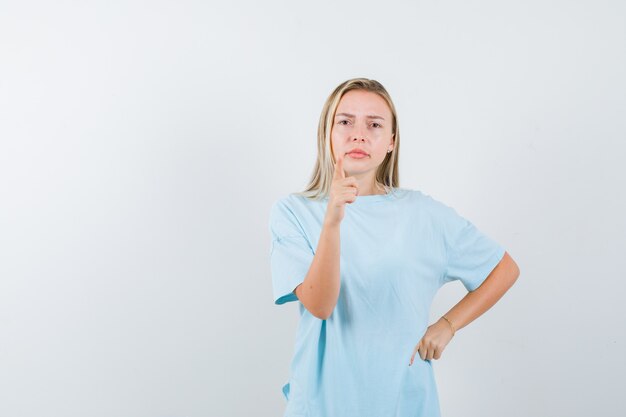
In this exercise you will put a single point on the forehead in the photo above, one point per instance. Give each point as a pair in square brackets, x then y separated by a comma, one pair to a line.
[360, 102]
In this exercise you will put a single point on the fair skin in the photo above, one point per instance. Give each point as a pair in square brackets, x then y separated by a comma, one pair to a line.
[473, 305]
[363, 120]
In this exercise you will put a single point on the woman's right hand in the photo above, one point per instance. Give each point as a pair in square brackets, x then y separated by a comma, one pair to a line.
[342, 190]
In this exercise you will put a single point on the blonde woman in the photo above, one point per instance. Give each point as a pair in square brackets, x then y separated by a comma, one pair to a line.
[364, 258]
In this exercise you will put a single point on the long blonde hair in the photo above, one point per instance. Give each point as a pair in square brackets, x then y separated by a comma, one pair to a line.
[321, 179]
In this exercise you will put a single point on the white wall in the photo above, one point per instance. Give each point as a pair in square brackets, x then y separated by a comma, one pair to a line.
[142, 144]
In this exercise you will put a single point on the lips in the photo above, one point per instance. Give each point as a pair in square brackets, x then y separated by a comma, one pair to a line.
[358, 152]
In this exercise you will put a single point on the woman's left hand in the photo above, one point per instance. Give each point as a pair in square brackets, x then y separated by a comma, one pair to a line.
[434, 341]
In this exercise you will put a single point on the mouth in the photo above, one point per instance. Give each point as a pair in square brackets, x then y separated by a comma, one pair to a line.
[357, 154]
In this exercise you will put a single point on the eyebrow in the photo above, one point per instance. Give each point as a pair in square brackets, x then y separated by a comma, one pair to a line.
[369, 116]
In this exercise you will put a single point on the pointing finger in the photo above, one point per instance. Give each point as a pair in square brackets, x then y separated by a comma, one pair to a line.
[339, 168]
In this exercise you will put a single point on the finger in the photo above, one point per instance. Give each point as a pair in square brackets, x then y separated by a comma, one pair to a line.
[350, 190]
[339, 168]
[414, 352]
[351, 183]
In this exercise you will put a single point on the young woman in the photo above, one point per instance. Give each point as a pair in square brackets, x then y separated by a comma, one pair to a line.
[364, 258]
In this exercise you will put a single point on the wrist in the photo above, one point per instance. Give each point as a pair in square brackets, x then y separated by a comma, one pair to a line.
[452, 327]
[330, 225]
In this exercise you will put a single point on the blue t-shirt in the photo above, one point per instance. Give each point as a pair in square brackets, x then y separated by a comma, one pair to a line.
[397, 250]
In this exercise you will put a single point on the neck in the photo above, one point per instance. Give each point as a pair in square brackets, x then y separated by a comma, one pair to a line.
[371, 189]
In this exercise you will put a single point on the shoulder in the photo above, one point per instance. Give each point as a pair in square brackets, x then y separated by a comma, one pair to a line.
[293, 208]
[293, 203]
[281, 209]
[425, 201]
[442, 216]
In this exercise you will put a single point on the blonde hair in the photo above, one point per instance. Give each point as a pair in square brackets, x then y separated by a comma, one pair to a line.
[321, 178]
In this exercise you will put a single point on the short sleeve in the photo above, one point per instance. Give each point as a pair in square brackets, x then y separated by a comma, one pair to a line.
[471, 254]
[290, 253]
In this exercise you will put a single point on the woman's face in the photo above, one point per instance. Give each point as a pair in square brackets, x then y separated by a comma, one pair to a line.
[362, 121]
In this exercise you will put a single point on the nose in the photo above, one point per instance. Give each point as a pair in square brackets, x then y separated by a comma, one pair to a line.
[357, 136]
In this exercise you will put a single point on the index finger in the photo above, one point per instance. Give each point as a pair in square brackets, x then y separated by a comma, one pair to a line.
[339, 168]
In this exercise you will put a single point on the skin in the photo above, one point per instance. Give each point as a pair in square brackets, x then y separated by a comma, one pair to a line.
[472, 306]
[373, 135]
[352, 177]
[319, 291]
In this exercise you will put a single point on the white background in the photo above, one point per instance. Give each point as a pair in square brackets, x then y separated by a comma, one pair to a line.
[143, 143]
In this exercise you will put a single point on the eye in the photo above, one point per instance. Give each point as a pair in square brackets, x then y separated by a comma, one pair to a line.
[379, 125]
[340, 122]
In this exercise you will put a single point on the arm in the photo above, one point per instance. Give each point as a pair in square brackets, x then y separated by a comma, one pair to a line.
[320, 289]
[476, 302]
